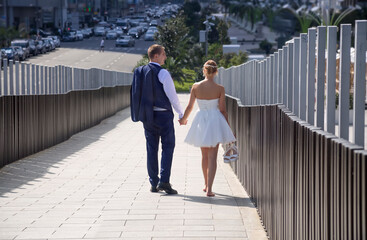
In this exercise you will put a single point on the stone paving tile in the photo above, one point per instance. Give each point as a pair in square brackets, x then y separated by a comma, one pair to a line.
[95, 186]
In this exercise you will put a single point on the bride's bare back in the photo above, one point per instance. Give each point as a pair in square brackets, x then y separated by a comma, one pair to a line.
[207, 89]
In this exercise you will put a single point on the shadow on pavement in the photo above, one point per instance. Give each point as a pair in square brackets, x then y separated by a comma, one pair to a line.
[16, 176]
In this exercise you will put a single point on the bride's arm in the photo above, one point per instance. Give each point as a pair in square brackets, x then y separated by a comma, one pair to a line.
[222, 103]
[190, 106]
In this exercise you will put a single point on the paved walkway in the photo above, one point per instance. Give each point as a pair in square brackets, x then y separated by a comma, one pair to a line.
[95, 185]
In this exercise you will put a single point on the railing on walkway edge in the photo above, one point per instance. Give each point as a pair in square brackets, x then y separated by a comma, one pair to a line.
[306, 182]
[47, 105]
[296, 76]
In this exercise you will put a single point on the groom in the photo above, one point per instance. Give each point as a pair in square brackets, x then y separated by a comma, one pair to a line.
[152, 96]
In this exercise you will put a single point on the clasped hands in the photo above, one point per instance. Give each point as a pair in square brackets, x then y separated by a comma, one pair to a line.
[182, 121]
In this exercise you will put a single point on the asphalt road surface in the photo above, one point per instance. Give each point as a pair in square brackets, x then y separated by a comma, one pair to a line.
[86, 54]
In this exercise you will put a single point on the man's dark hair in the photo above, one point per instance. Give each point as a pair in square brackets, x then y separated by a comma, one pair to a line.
[154, 49]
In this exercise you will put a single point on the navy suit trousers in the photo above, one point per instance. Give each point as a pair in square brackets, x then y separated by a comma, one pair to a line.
[161, 128]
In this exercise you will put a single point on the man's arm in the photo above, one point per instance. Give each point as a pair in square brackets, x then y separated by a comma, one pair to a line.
[170, 90]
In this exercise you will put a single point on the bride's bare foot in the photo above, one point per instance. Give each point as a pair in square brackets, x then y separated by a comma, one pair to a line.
[204, 189]
[210, 194]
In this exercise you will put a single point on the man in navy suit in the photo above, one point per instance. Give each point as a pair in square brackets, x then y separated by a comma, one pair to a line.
[152, 96]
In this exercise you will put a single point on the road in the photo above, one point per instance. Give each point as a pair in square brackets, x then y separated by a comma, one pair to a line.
[85, 54]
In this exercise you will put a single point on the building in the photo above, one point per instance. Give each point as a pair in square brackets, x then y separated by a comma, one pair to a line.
[33, 14]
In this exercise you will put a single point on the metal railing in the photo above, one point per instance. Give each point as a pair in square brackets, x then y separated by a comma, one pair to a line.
[302, 76]
[306, 182]
[42, 106]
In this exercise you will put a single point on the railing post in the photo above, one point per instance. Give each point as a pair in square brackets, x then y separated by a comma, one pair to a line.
[284, 75]
[275, 78]
[28, 71]
[311, 63]
[6, 77]
[33, 83]
[46, 81]
[290, 77]
[22, 77]
[11, 78]
[321, 44]
[303, 76]
[280, 77]
[359, 81]
[296, 84]
[37, 80]
[344, 80]
[331, 79]
[42, 80]
[17, 80]
[271, 79]
[258, 90]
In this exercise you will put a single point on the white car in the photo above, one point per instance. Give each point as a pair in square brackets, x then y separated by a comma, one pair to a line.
[125, 41]
[119, 31]
[111, 35]
[99, 31]
[149, 35]
[79, 35]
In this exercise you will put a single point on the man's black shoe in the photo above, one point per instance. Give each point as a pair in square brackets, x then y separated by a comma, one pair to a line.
[153, 189]
[167, 188]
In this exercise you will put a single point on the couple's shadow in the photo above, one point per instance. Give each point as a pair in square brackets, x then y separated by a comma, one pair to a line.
[218, 199]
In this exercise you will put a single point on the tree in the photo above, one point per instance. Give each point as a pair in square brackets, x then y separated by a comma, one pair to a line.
[266, 46]
[173, 36]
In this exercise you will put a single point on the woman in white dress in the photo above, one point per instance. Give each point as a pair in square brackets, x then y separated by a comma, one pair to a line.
[210, 125]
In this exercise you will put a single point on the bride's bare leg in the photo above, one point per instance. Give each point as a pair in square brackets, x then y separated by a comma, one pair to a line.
[212, 168]
[204, 165]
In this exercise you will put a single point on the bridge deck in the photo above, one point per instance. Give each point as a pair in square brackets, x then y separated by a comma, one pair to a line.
[95, 185]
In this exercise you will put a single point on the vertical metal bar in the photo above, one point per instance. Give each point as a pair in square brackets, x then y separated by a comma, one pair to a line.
[1, 82]
[28, 71]
[290, 77]
[284, 75]
[6, 77]
[296, 84]
[42, 80]
[258, 90]
[311, 63]
[261, 86]
[275, 78]
[303, 76]
[320, 70]
[22, 77]
[271, 79]
[33, 80]
[46, 81]
[359, 81]
[37, 80]
[344, 80]
[331, 79]
[11, 78]
[280, 77]
[17, 80]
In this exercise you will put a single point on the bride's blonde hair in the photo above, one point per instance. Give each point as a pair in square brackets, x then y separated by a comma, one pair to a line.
[210, 67]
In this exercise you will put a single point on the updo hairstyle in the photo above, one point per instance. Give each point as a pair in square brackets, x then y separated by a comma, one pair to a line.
[210, 67]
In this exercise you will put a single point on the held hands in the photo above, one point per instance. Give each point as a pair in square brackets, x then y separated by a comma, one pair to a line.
[182, 121]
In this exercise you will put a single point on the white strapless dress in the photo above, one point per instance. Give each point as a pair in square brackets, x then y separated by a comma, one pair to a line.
[209, 126]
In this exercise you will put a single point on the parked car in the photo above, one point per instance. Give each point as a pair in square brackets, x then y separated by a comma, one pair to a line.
[99, 31]
[134, 33]
[124, 24]
[79, 35]
[22, 55]
[153, 23]
[125, 41]
[24, 44]
[11, 54]
[85, 33]
[33, 48]
[118, 31]
[111, 35]
[48, 44]
[56, 40]
[68, 37]
[41, 46]
[149, 35]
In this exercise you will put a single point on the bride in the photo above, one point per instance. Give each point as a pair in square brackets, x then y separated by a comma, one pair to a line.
[210, 125]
